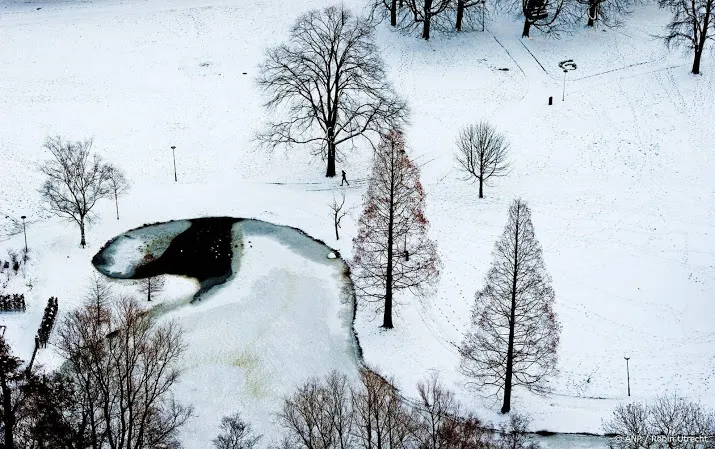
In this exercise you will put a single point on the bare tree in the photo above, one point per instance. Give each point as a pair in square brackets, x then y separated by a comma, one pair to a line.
[381, 9]
[548, 16]
[235, 434]
[123, 367]
[468, 11]
[607, 12]
[427, 14]
[76, 180]
[673, 420]
[330, 83]
[482, 153]
[117, 183]
[381, 418]
[319, 414]
[151, 286]
[692, 26]
[392, 250]
[437, 409]
[514, 434]
[515, 333]
[337, 212]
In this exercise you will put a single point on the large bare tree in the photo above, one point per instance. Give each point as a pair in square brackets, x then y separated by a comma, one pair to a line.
[548, 16]
[392, 250]
[329, 86]
[76, 180]
[692, 25]
[482, 153]
[607, 12]
[381, 9]
[123, 367]
[470, 11]
[427, 14]
[515, 333]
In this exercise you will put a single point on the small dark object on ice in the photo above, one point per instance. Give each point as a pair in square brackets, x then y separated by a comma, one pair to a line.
[504, 69]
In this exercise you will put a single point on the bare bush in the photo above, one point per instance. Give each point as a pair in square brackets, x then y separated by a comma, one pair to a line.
[670, 422]
[235, 434]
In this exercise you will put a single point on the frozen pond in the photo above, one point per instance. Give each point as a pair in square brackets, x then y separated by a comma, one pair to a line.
[283, 314]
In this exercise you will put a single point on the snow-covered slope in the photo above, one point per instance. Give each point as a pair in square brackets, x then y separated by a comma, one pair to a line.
[618, 176]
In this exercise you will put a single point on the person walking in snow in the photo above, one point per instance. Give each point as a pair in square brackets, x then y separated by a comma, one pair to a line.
[344, 180]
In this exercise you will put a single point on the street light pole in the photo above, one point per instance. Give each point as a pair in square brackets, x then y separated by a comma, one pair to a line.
[566, 66]
[173, 153]
[628, 376]
[24, 231]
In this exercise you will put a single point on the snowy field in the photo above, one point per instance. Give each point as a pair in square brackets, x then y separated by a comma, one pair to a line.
[619, 177]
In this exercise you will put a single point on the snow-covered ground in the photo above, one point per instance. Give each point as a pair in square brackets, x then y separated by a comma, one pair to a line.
[619, 177]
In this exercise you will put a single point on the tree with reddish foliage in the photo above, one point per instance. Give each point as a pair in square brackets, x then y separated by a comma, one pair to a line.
[392, 250]
[515, 333]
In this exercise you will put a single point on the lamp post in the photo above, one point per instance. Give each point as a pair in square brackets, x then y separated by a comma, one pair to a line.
[173, 154]
[24, 232]
[628, 376]
[566, 66]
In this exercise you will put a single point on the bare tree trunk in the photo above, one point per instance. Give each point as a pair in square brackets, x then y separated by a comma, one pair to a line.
[8, 415]
[330, 172]
[148, 290]
[337, 236]
[460, 14]
[427, 19]
[393, 12]
[696, 62]
[387, 319]
[116, 203]
[481, 190]
[592, 11]
[527, 27]
[512, 321]
[83, 242]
